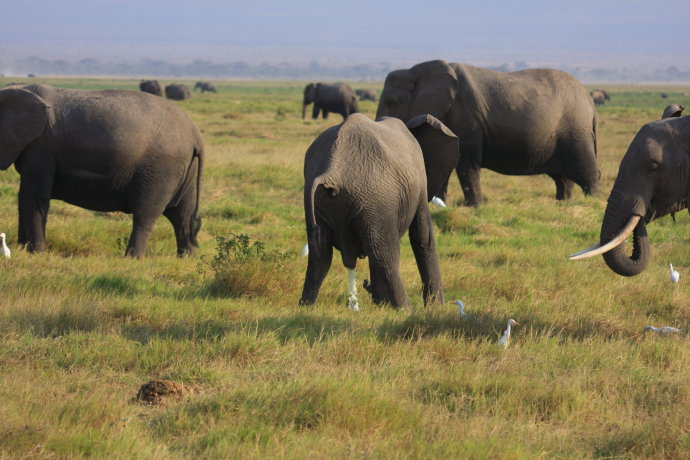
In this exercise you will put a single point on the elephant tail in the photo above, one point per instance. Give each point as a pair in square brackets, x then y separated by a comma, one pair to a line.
[196, 220]
[595, 132]
[310, 211]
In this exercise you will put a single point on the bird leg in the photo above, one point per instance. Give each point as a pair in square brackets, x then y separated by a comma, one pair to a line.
[352, 302]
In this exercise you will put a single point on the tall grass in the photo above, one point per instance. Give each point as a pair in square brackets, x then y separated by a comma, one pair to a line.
[81, 327]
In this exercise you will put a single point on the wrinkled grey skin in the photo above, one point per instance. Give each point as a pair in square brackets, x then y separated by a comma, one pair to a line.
[366, 94]
[652, 182]
[205, 86]
[338, 98]
[151, 87]
[598, 97]
[106, 151]
[177, 92]
[535, 121]
[366, 183]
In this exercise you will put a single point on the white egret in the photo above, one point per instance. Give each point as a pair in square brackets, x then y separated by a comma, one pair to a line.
[305, 250]
[438, 202]
[675, 276]
[503, 341]
[5, 250]
[461, 309]
[352, 302]
[664, 330]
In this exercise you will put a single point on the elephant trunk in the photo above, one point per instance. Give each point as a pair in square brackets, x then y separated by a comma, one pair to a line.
[304, 109]
[617, 259]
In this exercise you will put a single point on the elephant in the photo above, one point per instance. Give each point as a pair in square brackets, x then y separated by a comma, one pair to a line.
[112, 150]
[205, 86]
[598, 96]
[151, 87]
[366, 183]
[177, 92]
[338, 98]
[533, 121]
[366, 94]
[653, 181]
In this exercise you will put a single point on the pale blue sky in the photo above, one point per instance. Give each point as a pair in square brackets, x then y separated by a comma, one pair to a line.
[486, 31]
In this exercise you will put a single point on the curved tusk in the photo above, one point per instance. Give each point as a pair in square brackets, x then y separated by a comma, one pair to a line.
[618, 239]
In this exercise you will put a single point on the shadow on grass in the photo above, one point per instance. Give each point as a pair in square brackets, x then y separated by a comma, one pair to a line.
[418, 326]
[298, 327]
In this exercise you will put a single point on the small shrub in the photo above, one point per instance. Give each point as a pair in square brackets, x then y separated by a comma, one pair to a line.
[243, 267]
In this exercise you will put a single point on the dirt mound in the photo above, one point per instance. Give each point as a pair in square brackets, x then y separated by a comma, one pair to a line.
[161, 391]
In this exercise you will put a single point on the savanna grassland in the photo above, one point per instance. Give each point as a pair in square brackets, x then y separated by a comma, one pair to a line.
[82, 327]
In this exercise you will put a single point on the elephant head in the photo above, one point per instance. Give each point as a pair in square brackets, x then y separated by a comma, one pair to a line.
[23, 117]
[426, 88]
[652, 182]
[309, 96]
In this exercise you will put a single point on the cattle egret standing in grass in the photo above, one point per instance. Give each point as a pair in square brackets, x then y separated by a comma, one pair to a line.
[675, 276]
[664, 330]
[305, 250]
[461, 309]
[352, 297]
[438, 202]
[503, 342]
[5, 249]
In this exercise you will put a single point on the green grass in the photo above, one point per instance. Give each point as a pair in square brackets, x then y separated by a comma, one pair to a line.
[81, 327]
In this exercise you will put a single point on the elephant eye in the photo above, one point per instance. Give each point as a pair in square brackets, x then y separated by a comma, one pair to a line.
[653, 165]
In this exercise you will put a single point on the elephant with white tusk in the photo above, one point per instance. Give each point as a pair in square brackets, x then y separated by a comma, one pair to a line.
[653, 181]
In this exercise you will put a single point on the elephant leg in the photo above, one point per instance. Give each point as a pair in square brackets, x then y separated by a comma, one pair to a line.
[182, 219]
[34, 203]
[142, 225]
[468, 168]
[317, 267]
[325, 113]
[424, 248]
[384, 268]
[443, 191]
[315, 111]
[564, 187]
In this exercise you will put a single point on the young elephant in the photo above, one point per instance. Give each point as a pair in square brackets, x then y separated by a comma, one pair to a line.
[366, 183]
[102, 150]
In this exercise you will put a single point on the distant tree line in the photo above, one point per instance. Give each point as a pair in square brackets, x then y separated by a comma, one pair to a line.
[292, 70]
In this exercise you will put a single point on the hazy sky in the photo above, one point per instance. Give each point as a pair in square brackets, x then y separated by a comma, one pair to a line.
[581, 32]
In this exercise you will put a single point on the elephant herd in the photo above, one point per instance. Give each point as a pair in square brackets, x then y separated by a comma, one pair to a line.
[366, 182]
[175, 91]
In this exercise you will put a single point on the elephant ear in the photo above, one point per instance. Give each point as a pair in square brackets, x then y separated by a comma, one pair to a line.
[672, 111]
[22, 119]
[435, 88]
[440, 148]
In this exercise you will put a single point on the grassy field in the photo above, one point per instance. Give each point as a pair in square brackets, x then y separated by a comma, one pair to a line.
[81, 327]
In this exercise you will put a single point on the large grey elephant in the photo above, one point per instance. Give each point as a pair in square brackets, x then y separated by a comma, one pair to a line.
[151, 87]
[653, 181]
[366, 183]
[177, 92]
[338, 98]
[534, 121]
[204, 86]
[108, 150]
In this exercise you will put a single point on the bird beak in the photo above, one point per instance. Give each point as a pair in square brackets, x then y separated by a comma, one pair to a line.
[516, 323]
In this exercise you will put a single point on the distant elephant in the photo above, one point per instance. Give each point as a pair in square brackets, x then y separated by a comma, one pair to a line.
[365, 184]
[366, 94]
[205, 86]
[338, 98]
[653, 181]
[106, 151]
[598, 97]
[151, 87]
[177, 92]
[673, 110]
[534, 121]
